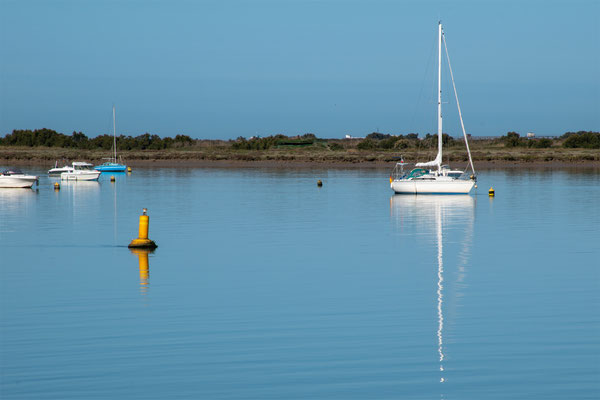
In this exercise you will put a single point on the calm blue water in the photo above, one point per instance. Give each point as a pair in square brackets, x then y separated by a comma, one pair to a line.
[266, 287]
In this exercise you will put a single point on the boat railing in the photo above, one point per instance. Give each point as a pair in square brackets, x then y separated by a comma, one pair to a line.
[400, 173]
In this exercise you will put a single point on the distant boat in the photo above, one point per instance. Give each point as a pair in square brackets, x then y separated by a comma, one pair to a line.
[15, 178]
[56, 171]
[112, 165]
[432, 177]
[82, 171]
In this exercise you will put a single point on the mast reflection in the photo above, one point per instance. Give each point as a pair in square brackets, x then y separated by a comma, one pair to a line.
[144, 268]
[440, 295]
[434, 214]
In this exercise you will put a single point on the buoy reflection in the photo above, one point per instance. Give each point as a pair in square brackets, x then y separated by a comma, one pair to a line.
[144, 268]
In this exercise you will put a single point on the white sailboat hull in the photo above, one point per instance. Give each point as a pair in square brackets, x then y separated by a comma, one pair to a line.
[439, 186]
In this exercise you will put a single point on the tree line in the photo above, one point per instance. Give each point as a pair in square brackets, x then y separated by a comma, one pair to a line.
[50, 138]
[581, 139]
[588, 140]
[374, 141]
[264, 143]
[380, 141]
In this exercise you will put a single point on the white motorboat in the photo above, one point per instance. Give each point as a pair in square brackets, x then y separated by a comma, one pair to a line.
[432, 177]
[56, 171]
[82, 171]
[14, 178]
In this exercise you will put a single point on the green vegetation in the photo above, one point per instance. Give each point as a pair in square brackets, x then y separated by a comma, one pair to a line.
[46, 144]
[258, 143]
[49, 138]
[374, 141]
[582, 139]
[511, 139]
[381, 141]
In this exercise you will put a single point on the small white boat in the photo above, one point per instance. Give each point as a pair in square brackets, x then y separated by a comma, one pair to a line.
[14, 178]
[432, 177]
[56, 171]
[82, 171]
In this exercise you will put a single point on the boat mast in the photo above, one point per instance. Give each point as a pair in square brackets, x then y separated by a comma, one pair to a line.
[438, 158]
[439, 155]
[114, 136]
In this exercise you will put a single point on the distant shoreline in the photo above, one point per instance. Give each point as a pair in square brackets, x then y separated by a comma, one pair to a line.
[342, 165]
[303, 158]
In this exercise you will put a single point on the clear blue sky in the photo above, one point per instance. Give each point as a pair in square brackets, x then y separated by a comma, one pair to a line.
[225, 68]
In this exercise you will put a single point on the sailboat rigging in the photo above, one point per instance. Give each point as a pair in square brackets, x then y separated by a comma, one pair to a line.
[112, 165]
[432, 177]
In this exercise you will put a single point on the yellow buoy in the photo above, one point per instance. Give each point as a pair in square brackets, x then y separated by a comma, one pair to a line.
[128, 169]
[391, 179]
[56, 186]
[491, 192]
[142, 242]
[112, 178]
[319, 183]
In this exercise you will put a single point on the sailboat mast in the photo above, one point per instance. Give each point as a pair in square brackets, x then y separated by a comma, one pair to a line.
[114, 135]
[439, 156]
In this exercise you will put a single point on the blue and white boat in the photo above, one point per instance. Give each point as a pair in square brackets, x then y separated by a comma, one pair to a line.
[111, 165]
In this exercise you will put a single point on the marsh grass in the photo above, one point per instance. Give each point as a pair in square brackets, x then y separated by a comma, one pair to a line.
[206, 151]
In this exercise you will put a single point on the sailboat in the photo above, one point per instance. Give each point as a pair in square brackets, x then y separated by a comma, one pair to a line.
[111, 165]
[432, 177]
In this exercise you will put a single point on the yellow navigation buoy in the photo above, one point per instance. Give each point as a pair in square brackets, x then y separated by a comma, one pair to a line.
[56, 186]
[112, 178]
[391, 179]
[142, 242]
[319, 183]
[491, 192]
[128, 169]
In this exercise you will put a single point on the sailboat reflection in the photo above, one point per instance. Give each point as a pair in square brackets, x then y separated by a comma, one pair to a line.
[144, 268]
[434, 214]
